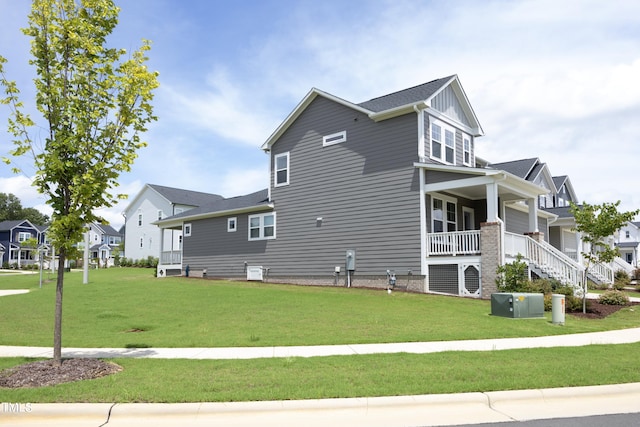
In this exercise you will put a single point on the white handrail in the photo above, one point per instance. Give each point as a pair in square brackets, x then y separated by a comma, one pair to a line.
[454, 243]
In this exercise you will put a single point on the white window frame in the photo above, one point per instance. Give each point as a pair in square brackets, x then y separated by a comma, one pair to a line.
[232, 224]
[186, 229]
[140, 218]
[466, 150]
[23, 236]
[444, 129]
[141, 242]
[261, 226]
[445, 221]
[334, 138]
[160, 215]
[276, 170]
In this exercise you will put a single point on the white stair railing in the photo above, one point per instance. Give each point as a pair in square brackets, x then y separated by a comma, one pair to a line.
[545, 257]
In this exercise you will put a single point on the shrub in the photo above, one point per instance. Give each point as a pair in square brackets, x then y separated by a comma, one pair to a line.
[621, 280]
[614, 297]
[513, 276]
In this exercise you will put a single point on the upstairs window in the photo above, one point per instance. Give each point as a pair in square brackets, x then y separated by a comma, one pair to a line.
[187, 230]
[160, 215]
[466, 150]
[23, 236]
[443, 142]
[262, 227]
[281, 162]
[139, 218]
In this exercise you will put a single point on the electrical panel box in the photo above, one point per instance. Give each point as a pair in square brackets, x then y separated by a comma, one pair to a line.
[350, 261]
[517, 305]
[254, 272]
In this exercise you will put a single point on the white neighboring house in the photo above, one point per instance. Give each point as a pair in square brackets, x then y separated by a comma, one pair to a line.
[152, 203]
[628, 243]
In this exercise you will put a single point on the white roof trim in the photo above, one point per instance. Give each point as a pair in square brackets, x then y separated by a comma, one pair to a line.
[173, 222]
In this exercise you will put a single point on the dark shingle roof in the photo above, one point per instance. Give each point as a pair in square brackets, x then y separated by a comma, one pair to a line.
[185, 197]
[558, 181]
[233, 203]
[9, 224]
[406, 96]
[520, 168]
[562, 212]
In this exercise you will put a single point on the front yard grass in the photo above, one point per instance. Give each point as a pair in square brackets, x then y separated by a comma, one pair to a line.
[129, 308]
[154, 380]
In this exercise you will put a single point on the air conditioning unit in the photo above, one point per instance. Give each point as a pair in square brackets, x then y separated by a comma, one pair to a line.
[254, 272]
[517, 305]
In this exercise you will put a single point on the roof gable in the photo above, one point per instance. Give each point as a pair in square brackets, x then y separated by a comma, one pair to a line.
[444, 95]
[11, 224]
[520, 168]
[176, 196]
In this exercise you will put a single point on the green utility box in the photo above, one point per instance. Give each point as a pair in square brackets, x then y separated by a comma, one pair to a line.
[517, 305]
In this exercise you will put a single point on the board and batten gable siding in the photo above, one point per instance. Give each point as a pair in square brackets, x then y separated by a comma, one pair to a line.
[365, 189]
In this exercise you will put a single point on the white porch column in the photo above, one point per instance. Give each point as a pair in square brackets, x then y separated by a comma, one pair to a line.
[533, 215]
[162, 230]
[492, 202]
[423, 225]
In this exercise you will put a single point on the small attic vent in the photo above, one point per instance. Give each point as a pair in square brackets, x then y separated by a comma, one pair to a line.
[334, 138]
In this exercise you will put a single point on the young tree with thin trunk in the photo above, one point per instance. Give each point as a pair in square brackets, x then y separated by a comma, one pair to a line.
[94, 105]
[597, 223]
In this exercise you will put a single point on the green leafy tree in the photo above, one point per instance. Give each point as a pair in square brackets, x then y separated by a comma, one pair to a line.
[95, 105]
[597, 223]
[11, 209]
[10, 206]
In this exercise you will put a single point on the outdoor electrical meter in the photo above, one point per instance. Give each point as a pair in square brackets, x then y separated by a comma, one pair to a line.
[350, 262]
[350, 265]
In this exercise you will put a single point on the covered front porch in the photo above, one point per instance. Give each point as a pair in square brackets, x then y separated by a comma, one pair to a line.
[476, 219]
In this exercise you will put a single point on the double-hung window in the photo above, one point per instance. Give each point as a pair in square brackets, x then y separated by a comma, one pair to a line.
[443, 214]
[23, 236]
[281, 163]
[466, 150]
[443, 142]
[262, 226]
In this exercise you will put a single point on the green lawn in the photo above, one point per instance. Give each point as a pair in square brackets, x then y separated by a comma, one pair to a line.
[130, 308]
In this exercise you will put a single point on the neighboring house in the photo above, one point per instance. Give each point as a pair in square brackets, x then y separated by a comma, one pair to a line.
[104, 242]
[13, 234]
[155, 202]
[390, 187]
[628, 243]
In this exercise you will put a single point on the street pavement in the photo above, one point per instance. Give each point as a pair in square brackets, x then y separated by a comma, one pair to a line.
[400, 411]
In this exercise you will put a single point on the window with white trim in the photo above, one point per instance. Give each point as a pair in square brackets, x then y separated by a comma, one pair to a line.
[139, 218]
[187, 230]
[466, 150]
[334, 138]
[232, 224]
[262, 226]
[443, 214]
[443, 142]
[160, 214]
[281, 163]
[141, 242]
[23, 236]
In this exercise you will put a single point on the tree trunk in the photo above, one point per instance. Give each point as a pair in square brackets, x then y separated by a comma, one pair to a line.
[57, 328]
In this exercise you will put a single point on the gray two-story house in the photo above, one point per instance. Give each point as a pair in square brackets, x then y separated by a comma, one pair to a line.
[362, 192]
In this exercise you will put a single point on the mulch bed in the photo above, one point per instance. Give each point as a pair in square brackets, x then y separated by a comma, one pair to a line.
[46, 372]
[595, 310]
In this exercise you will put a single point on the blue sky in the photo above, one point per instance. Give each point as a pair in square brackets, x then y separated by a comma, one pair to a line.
[557, 80]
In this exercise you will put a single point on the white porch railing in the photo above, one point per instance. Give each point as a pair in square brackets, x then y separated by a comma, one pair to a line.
[545, 257]
[454, 243]
[171, 257]
[601, 272]
[621, 264]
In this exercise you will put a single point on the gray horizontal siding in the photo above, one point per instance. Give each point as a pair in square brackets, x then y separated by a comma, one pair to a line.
[365, 189]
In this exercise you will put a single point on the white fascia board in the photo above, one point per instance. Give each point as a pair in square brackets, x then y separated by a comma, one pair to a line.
[522, 186]
[474, 131]
[168, 223]
[522, 207]
[302, 105]
[138, 196]
[458, 183]
[458, 169]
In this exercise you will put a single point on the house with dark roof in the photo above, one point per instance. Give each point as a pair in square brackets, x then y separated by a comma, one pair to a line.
[382, 192]
[104, 242]
[14, 249]
[628, 243]
[152, 203]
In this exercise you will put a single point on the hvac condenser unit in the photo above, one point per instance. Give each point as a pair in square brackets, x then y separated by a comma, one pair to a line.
[254, 272]
[517, 305]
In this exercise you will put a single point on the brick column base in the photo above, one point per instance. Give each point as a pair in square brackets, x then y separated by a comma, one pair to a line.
[491, 250]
